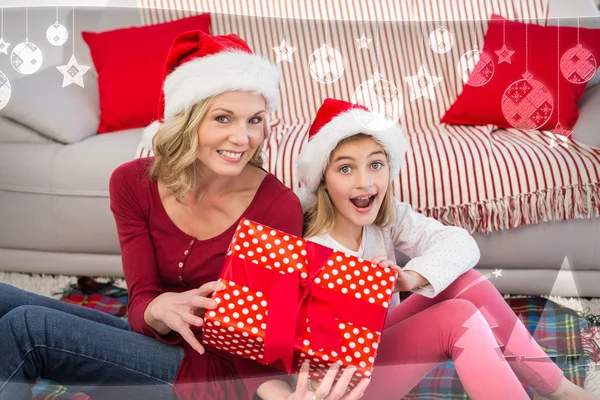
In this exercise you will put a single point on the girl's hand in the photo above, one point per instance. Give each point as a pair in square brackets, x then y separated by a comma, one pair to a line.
[407, 280]
[178, 311]
[325, 391]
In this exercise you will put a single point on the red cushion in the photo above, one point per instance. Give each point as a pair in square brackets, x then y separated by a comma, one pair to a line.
[482, 105]
[130, 66]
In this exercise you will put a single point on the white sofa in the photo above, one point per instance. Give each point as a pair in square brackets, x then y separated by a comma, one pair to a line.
[54, 191]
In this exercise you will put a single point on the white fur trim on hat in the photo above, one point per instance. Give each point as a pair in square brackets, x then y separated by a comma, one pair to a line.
[145, 146]
[315, 154]
[211, 75]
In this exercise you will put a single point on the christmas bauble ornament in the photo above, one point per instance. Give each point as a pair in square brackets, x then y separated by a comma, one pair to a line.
[527, 103]
[441, 40]
[476, 68]
[578, 65]
[5, 90]
[26, 58]
[326, 64]
[57, 34]
[382, 98]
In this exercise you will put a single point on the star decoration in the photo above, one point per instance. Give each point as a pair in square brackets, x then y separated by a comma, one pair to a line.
[497, 272]
[4, 46]
[363, 42]
[422, 84]
[284, 52]
[73, 72]
[504, 54]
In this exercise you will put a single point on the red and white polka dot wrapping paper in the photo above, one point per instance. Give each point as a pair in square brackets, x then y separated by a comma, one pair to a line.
[238, 324]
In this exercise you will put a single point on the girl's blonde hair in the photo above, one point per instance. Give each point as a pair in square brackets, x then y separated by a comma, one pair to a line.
[320, 217]
[176, 149]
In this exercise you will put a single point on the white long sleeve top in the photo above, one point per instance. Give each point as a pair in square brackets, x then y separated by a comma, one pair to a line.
[438, 252]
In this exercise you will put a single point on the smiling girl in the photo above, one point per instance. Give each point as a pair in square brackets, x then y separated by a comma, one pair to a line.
[345, 171]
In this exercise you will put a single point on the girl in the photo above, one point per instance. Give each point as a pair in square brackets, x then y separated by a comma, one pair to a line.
[345, 172]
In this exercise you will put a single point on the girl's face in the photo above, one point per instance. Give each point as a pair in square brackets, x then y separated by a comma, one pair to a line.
[231, 132]
[357, 179]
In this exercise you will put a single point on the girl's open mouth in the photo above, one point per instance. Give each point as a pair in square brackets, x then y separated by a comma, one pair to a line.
[363, 202]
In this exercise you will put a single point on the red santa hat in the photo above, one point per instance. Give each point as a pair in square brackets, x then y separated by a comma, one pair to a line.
[200, 65]
[337, 120]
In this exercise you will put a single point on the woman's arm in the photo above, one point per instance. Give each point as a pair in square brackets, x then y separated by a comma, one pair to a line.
[137, 251]
[439, 253]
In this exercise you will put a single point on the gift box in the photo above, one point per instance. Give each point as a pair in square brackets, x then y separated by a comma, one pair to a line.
[292, 300]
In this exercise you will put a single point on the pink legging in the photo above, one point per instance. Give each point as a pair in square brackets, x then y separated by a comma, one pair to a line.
[421, 333]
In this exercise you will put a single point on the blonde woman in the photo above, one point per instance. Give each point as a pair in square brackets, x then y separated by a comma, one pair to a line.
[175, 215]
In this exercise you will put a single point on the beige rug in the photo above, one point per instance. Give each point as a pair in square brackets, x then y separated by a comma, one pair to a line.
[48, 285]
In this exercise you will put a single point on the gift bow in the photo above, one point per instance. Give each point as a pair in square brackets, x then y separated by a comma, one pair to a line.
[294, 300]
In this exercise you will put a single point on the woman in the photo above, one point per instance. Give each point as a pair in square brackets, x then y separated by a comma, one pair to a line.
[175, 215]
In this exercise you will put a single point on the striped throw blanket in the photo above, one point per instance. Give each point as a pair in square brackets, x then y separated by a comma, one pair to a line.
[555, 328]
[481, 178]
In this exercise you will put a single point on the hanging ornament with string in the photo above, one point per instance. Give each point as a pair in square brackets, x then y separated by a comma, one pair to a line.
[527, 103]
[3, 45]
[578, 64]
[476, 67]
[423, 83]
[326, 64]
[73, 72]
[57, 34]
[363, 41]
[441, 40]
[504, 53]
[380, 96]
[559, 135]
[26, 57]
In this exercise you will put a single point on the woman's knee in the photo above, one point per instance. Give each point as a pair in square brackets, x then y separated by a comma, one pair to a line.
[25, 322]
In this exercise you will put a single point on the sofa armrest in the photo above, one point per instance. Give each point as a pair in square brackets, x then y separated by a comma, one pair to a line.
[66, 115]
[587, 129]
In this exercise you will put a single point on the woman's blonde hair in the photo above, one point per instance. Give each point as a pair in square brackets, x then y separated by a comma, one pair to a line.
[175, 147]
[320, 217]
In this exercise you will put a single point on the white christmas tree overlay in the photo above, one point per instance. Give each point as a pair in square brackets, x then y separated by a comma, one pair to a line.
[284, 52]
[73, 72]
[564, 284]
[422, 84]
[470, 341]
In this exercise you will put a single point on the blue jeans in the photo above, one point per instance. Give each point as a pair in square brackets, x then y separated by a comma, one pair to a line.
[83, 349]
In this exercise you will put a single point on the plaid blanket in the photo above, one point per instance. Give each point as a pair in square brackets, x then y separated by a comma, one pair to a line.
[555, 328]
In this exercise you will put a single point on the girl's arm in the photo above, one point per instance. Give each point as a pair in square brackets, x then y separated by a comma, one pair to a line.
[439, 253]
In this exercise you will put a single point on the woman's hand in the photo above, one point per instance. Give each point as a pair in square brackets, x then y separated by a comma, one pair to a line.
[326, 389]
[407, 280]
[178, 311]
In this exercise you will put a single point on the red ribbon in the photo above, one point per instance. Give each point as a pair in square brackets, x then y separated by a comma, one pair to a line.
[293, 300]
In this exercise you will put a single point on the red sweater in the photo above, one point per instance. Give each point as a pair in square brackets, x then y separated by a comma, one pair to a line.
[158, 257]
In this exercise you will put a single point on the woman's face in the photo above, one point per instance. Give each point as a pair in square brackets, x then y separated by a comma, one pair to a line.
[231, 132]
[357, 179]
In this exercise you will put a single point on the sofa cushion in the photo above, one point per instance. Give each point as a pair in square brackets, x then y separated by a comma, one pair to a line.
[14, 132]
[586, 130]
[129, 63]
[79, 169]
[66, 115]
[483, 104]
